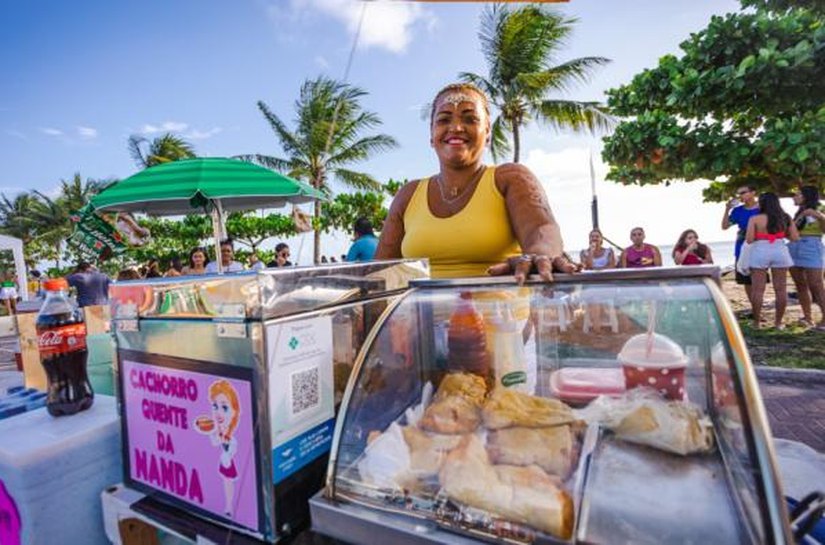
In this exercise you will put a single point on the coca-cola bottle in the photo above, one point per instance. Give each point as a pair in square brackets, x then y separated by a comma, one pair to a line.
[61, 340]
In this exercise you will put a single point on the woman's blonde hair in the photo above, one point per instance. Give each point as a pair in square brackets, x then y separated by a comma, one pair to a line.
[225, 388]
[457, 88]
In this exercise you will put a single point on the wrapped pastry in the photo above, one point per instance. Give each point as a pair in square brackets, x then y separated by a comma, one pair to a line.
[550, 448]
[642, 416]
[524, 495]
[507, 408]
[456, 406]
[428, 450]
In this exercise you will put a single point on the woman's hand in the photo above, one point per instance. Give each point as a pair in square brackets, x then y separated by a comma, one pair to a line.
[521, 266]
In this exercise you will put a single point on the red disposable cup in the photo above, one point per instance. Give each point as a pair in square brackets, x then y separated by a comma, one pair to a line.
[662, 368]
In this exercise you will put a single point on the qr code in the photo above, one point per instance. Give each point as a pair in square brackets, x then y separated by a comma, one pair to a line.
[306, 390]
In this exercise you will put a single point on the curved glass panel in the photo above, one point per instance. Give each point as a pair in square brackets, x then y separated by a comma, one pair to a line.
[581, 412]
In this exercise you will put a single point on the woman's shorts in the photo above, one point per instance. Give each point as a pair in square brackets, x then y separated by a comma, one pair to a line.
[770, 255]
[807, 252]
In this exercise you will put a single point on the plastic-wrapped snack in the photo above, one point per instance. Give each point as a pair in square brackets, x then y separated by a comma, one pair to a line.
[642, 416]
[386, 461]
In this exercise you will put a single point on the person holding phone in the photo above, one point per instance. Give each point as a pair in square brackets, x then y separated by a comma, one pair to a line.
[738, 211]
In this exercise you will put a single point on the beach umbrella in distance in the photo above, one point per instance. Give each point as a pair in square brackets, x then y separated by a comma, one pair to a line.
[211, 184]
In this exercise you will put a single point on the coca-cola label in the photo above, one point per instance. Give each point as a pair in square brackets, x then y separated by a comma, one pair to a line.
[59, 340]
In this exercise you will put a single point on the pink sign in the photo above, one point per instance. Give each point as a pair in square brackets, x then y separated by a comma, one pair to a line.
[9, 518]
[190, 436]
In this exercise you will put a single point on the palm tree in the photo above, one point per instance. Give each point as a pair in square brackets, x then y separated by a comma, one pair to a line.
[163, 149]
[16, 216]
[75, 194]
[326, 140]
[520, 47]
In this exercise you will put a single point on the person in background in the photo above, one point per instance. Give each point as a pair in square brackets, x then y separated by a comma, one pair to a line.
[766, 234]
[198, 260]
[639, 254]
[807, 253]
[255, 263]
[227, 259]
[471, 219]
[92, 286]
[281, 256]
[365, 242]
[332, 259]
[689, 251]
[324, 259]
[130, 273]
[152, 269]
[738, 211]
[597, 257]
[35, 284]
[343, 258]
[8, 291]
[175, 268]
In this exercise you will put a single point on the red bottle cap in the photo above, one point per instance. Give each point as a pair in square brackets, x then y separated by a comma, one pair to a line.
[54, 284]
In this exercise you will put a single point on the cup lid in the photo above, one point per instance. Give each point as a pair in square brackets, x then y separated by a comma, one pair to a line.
[664, 352]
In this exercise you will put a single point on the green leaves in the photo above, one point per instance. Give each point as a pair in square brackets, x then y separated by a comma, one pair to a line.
[520, 46]
[744, 102]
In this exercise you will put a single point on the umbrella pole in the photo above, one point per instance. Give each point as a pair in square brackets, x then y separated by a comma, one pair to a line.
[217, 231]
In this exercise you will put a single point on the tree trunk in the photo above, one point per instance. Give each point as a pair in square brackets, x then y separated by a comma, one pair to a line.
[316, 254]
[516, 140]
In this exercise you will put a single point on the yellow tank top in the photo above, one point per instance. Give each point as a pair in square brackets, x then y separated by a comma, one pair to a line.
[464, 244]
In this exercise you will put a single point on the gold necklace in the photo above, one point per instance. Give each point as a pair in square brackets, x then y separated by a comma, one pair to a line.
[456, 194]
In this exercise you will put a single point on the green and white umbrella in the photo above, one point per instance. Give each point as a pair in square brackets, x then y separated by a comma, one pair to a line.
[211, 184]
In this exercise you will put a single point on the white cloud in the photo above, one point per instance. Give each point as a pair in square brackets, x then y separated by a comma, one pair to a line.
[195, 134]
[663, 211]
[386, 24]
[167, 126]
[86, 133]
[51, 131]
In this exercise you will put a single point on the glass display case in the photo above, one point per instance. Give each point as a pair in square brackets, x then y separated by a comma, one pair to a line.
[608, 407]
[229, 385]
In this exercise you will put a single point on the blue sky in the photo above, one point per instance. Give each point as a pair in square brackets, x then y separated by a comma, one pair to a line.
[80, 77]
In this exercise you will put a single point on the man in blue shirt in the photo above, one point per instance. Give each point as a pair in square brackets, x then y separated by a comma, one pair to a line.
[363, 249]
[739, 211]
[92, 287]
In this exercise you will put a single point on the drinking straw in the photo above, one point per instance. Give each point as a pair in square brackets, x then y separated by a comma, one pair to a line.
[651, 324]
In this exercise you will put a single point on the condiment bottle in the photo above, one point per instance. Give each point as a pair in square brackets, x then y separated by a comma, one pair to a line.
[509, 364]
[466, 339]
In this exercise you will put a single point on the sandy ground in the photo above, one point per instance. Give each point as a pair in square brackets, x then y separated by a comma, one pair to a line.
[741, 306]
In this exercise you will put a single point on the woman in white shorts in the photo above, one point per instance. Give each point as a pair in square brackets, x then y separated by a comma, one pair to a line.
[766, 233]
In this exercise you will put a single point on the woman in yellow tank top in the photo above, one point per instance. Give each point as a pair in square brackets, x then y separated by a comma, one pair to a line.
[471, 219]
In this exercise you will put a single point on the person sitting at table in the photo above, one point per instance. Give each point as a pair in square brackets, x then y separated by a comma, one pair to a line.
[471, 219]
[227, 259]
[639, 254]
[198, 260]
[689, 251]
[281, 256]
[596, 257]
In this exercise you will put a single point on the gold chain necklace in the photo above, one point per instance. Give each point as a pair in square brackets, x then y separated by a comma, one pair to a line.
[456, 194]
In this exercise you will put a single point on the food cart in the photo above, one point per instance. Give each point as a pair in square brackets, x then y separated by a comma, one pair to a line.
[228, 386]
[499, 416]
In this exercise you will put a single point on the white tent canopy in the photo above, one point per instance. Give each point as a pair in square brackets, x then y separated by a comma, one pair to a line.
[16, 246]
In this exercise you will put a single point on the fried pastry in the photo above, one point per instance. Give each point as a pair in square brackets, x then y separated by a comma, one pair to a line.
[674, 426]
[550, 448]
[507, 408]
[517, 494]
[428, 450]
[456, 406]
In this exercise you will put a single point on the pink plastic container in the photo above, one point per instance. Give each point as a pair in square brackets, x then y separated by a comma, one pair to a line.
[659, 365]
[579, 385]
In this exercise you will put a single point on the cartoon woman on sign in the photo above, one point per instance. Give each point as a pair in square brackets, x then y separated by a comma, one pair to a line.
[221, 428]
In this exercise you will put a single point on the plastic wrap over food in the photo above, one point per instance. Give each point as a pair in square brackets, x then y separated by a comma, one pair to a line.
[642, 416]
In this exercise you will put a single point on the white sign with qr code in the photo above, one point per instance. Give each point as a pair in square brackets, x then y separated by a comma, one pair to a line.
[299, 358]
